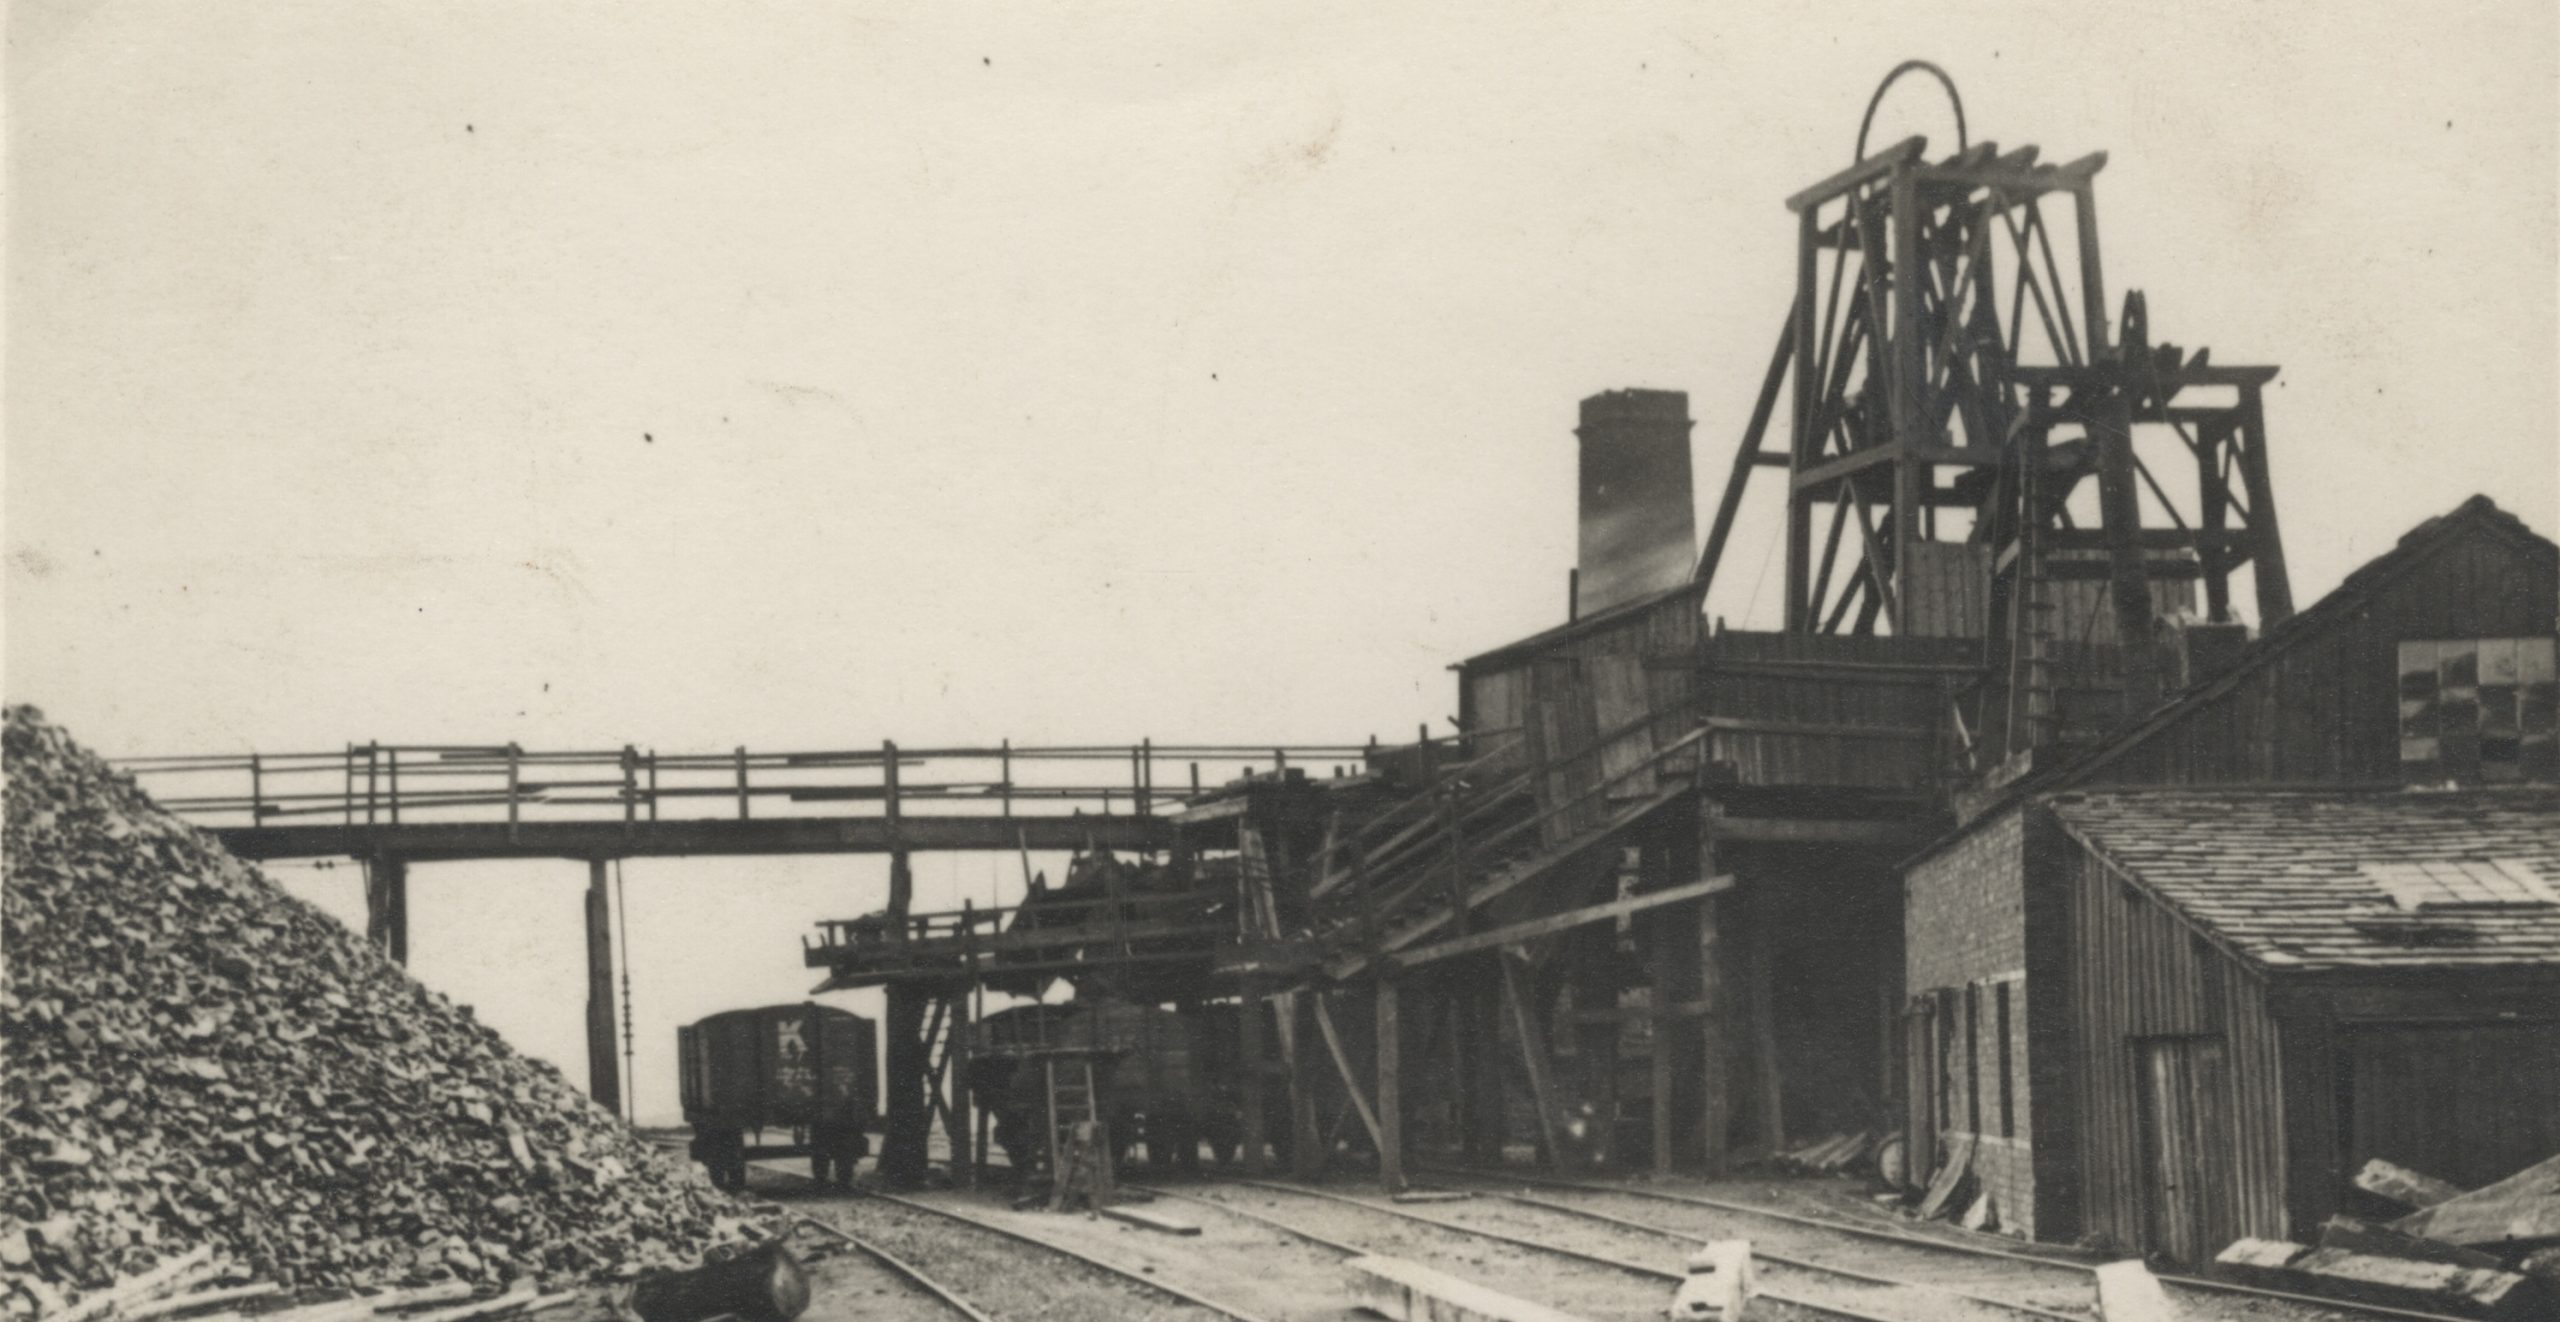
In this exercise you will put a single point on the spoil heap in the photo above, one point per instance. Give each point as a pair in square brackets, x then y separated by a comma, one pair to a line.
[195, 1057]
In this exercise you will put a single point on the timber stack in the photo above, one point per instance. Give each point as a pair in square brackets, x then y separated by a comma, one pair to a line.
[2491, 1252]
[197, 1060]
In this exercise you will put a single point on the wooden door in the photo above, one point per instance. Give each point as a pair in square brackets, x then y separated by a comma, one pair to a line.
[2188, 1155]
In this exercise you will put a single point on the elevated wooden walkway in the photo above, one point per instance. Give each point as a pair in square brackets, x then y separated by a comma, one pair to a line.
[447, 802]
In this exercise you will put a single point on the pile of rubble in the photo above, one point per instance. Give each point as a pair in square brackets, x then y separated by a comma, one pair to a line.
[196, 1059]
[2491, 1252]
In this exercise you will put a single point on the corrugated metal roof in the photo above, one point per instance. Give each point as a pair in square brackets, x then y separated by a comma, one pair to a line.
[2283, 876]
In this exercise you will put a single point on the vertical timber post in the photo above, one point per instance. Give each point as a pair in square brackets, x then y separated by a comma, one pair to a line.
[1390, 1091]
[1249, 1089]
[604, 1067]
[2266, 545]
[1591, 970]
[1802, 443]
[1715, 1057]
[1533, 1057]
[910, 1115]
[908, 1124]
[1764, 1024]
[1306, 1137]
[1483, 1101]
[1663, 1027]
[2213, 506]
[902, 881]
[1910, 409]
[386, 907]
[955, 1075]
[2128, 581]
[1665, 958]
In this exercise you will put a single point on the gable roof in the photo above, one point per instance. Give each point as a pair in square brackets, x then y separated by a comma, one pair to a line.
[2479, 514]
[2281, 877]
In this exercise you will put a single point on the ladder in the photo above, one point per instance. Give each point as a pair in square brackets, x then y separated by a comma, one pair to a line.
[2036, 659]
[1079, 1150]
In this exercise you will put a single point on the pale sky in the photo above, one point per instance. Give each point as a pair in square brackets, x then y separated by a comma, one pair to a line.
[808, 375]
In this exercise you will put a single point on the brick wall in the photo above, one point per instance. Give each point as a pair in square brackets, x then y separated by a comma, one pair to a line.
[1964, 910]
[1964, 916]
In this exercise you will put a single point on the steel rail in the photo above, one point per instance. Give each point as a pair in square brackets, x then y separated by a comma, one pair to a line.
[903, 1268]
[894, 1263]
[1802, 1264]
[1723, 1205]
[1799, 1264]
[1538, 1246]
[1953, 1246]
[1161, 1287]
[1098, 1264]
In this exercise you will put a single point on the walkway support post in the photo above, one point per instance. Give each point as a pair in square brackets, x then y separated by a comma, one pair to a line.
[604, 1067]
[910, 1117]
[386, 906]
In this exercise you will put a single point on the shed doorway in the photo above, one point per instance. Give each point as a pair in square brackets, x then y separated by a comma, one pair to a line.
[2187, 1146]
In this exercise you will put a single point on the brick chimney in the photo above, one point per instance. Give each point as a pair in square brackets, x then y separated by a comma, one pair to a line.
[1639, 521]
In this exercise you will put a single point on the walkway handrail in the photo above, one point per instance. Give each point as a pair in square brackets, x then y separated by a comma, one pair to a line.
[375, 784]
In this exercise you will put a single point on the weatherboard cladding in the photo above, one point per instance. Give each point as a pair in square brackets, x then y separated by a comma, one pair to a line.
[2279, 877]
[2317, 698]
[2136, 979]
[1550, 696]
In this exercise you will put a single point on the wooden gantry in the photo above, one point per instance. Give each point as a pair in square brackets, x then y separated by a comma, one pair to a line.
[2005, 457]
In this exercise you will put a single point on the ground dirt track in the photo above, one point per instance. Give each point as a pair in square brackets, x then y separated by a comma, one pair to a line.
[1272, 1252]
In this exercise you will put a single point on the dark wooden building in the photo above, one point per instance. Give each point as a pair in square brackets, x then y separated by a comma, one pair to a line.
[2168, 992]
[2263, 990]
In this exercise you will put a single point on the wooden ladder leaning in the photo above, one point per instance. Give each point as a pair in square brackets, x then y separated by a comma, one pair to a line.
[1079, 1143]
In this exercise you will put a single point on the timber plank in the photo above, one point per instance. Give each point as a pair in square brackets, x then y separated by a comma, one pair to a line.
[1553, 923]
[2523, 1206]
[2128, 1292]
[1410, 1292]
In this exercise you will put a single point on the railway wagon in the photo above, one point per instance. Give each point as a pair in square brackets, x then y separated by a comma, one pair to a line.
[809, 1069]
[1152, 1082]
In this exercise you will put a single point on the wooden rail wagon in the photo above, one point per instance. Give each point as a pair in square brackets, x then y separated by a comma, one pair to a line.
[808, 1069]
[1148, 1070]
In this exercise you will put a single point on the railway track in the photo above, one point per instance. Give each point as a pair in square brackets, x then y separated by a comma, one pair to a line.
[901, 1268]
[951, 1297]
[1807, 1288]
[1916, 1242]
[1905, 1284]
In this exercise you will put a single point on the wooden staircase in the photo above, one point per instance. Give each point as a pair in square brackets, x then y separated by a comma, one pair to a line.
[1466, 840]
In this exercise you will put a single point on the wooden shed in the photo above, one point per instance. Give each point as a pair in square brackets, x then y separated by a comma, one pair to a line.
[2261, 991]
[2322, 698]
[2432, 666]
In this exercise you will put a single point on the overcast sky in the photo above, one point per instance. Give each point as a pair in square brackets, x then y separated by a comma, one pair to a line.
[694, 375]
